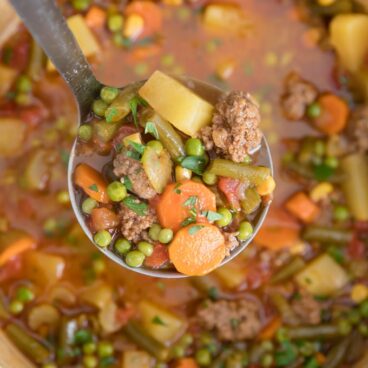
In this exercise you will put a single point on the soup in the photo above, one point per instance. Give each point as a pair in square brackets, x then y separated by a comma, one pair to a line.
[298, 295]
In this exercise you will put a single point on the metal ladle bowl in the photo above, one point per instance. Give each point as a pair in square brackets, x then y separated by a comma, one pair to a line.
[47, 25]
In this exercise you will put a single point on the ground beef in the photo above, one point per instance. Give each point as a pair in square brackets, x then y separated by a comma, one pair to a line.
[358, 129]
[231, 320]
[133, 225]
[298, 94]
[231, 242]
[234, 131]
[126, 166]
[306, 308]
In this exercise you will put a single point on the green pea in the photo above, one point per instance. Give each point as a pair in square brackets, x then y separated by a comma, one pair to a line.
[209, 178]
[88, 205]
[108, 94]
[154, 232]
[116, 191]
[115, 23]
[332, 162]
[156, 145]
[341, 213]
[105, 349]
[354, 316]
[99, 266]
[319, 148]
[227, 217]
[267, 345]
[314, 110]
[165, 236]
[363, 329]
[307, 348]
[194, 147]
[178, 351]
[82, 336]
[23, 99]
[24, 84]
[122, 246]
[146, 248]
[24, 294]
[245, 230]
[99, 107]
[247, 159]
[102, 238]
[363, 308]
[344, 327]
[203, 357]
[267, 360]
[186, 339]
[16, 307]
[282, 334]
[134, 258]
[81, 5]
[89, 348]
[85, 132]
[90, 361]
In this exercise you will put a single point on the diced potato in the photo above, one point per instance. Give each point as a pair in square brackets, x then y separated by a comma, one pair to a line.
[36, 174]
[136, 137]
[231, 275]
[363, 362]
[161, 324]
[136, 359]
[43, 315]
[84, 36]
[107, 318]
[176, 103]
[158, 167]
[12, 134]
[348, 34]
[323, 276]
[99, 294]
[9, 21]
[45, 268]
[7, 78]
[225, 18]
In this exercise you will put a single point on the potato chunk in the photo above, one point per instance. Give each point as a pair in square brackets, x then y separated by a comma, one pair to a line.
[12, 134]
[323, 276]
[349, 36]
[176, 103]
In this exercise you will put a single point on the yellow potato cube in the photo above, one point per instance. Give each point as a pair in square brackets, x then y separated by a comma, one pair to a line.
[136, 359]
[136, 138]
[7, 78]
[176, 103]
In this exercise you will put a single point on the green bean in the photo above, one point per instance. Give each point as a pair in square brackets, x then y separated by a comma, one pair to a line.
[68, 328]
[3, 312]
[105, 131]
[27, 344]
[289, 270]
[357, 347]
[337, 354]
[287, 313]
[325, 234]
[139, 335]
[256, 352]
[167, 135]
[255, 175]
[355, 184]
[219, 362]
[36, 61]
[251, 201]
[323, 331]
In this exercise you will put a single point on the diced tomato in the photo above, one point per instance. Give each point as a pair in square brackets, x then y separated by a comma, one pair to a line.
[356, 248]
[233, 190]
[34, 115]
[10, 269]
[159, 257]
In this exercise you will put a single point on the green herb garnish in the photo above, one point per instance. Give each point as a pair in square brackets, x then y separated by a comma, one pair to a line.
[234, 322]
[195, 163]
[286, 355]
[93, 187]
[176, 188]
[212, 216]
[133, 104]
[133, 154]
[188, 221]
[137, 146]
[140, 208]
[191, 201]
[151, 129]
[194, 229]
[128, 184]
[323, 172]
[213, 293]
[111, 112]
[158, 321]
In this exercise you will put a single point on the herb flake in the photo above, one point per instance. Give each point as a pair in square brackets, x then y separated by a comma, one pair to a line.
[137, 146]
[158, 321]
[188, 221]
[150, 128]
[133, 154]
[213, 293]
[191, 201]
[194, 229]
[133, 104]
[176, 188]
[128, 184]
[195, 163]
[93, 187]
[212, 216]
[286, 355]
[140, 208]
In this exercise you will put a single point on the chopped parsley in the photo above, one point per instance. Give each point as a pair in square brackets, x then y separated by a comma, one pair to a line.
[133, 104]
[137, 146]
[323, 172]
[118, 147]
[213, 293]
[93, 187]
[195, 163]
[107, 361]
[158, 321]
[286, 355]
[191, 201]
[308, 280]
[128, 184]
[212, 216]
[234, 322]
[194, 229]
[188, 221]
[111, 112]
[133, 154]
[176, 188]
[140, 208]
[150, 128]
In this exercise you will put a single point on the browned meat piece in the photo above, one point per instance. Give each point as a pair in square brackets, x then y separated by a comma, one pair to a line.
[231, 320]
[231, 242]
[358, 129]
[307, 309]
[235, 126]
[133, 225]
[126, 166]
[298, 94]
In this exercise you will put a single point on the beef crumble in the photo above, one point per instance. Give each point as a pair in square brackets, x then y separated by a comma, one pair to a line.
[307, 309]
[358, 129]
[234, 131]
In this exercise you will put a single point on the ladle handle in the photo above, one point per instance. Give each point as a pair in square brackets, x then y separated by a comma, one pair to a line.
[47, 25]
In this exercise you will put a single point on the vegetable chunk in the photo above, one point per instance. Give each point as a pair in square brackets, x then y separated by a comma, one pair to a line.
[177, 103]
[12, 134]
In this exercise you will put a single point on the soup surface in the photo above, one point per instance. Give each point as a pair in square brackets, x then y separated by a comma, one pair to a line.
[298, 296]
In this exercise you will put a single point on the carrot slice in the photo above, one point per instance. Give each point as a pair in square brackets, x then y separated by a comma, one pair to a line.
[302, 207]
[15, 249]
[186, 363]
[91, 181]
[158, 258]
[151, 14]
[177, 201]
[197, 249]
[334, 114]
[269, 331]
[95, 17]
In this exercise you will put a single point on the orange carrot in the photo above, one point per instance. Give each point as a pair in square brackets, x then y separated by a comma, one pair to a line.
[151, 14]
[197, 249]
[321, 358]
[186, 363]
[95, 17]
[302, 207]
[16, 248]
[91, 181]
[334, 114]
[270, 330]
[178, 199]
[103, 219]
[158, 258]
[144, 52]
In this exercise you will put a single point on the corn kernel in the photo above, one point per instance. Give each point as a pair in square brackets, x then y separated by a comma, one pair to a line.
[321, 191]
[267, 187]
[326, 2]
[182, 173]
[359, 292]
[133, 26]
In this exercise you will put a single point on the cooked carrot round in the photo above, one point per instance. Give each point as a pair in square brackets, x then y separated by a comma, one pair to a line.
[178, 199]
[197, 249]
